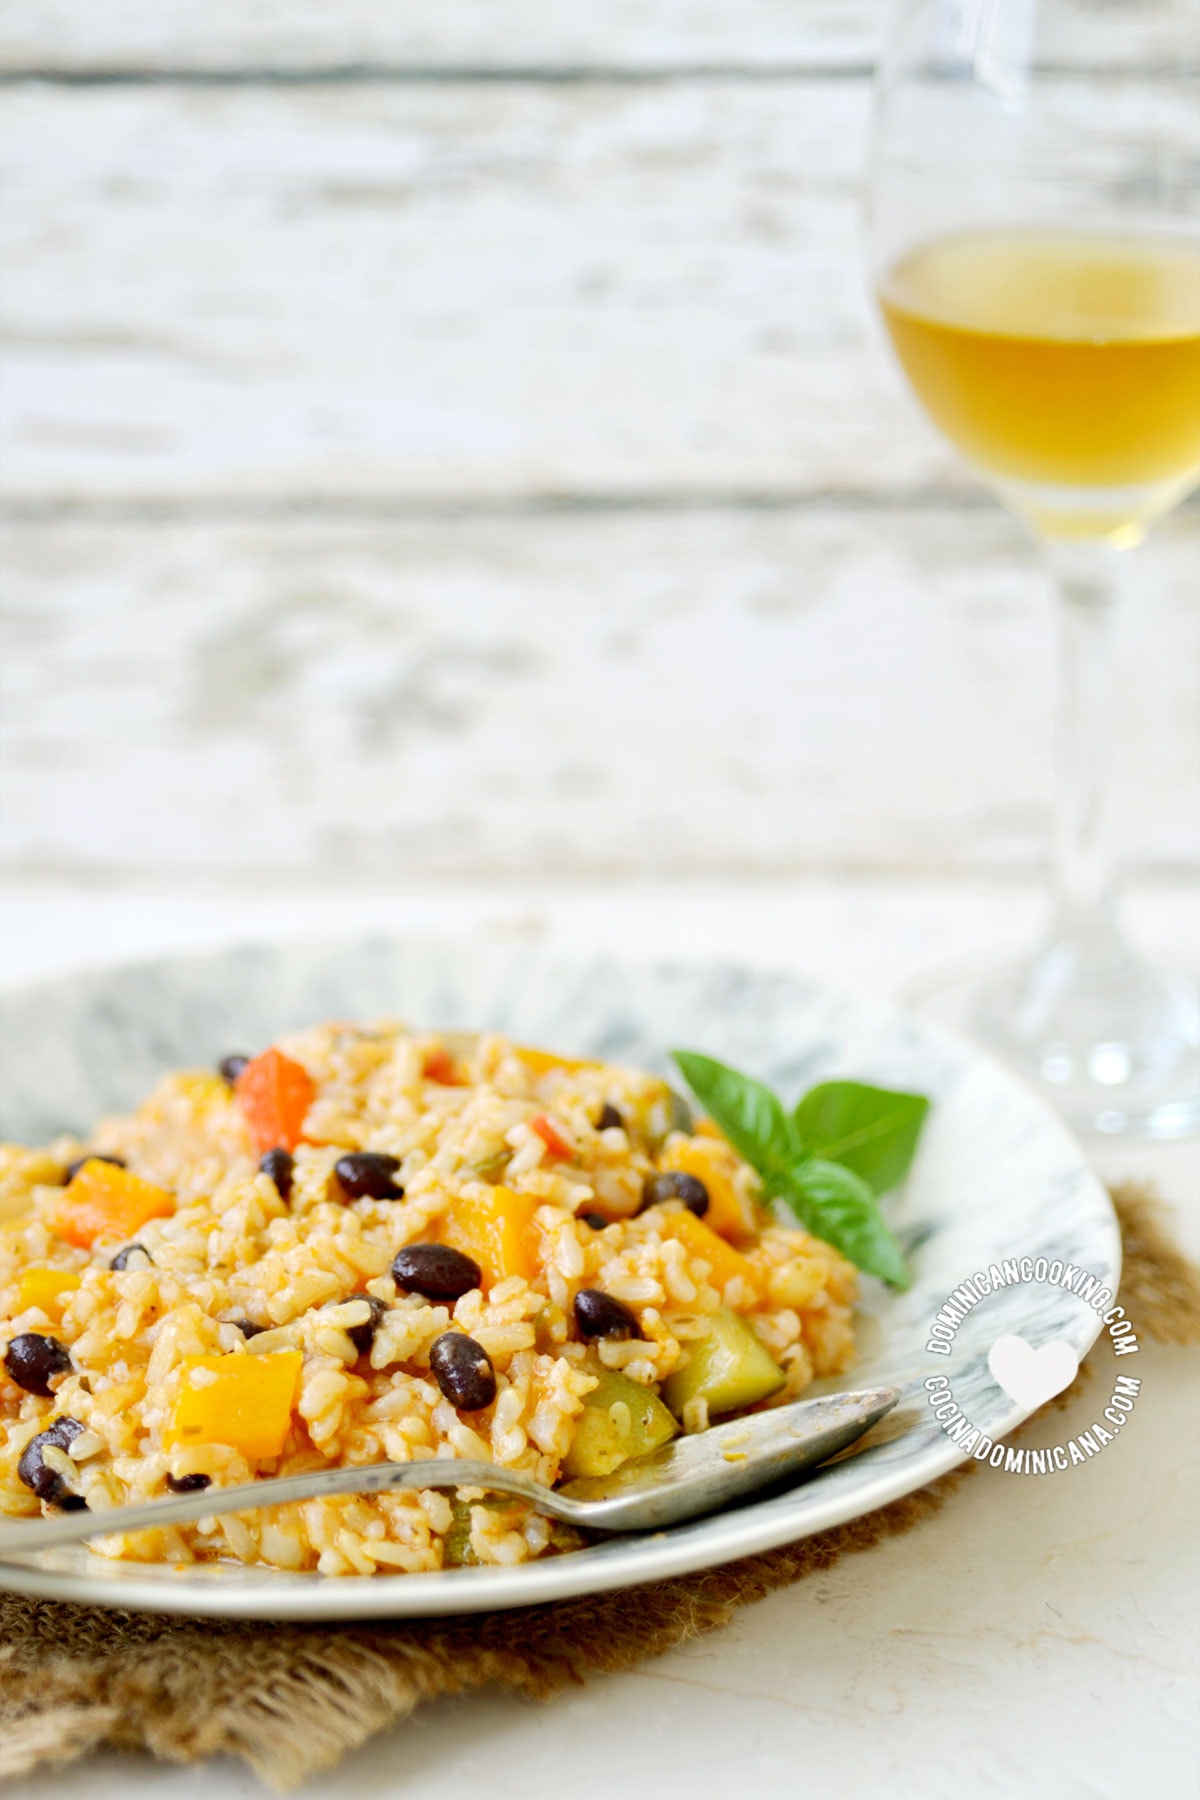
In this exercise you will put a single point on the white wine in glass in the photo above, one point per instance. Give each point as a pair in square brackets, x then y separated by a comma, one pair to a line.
[1034, 236]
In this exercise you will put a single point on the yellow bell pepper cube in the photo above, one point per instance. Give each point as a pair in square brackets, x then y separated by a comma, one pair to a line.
[245, 1402]
[104, 1201]
[497, 1230]
[712, 1161]
[702, 1243]
[543, 1062]
[202, 1090]
[44, 1288]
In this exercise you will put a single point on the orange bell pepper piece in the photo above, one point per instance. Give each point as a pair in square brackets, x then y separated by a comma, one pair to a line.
[245, 1402]
[497, 1230]
[275, 1094]
[712, 1161]
[702, 1243]
[104, 1201]
[44, 1288]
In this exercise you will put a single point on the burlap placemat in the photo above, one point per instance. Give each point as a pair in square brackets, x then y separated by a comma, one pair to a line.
[292, 1699]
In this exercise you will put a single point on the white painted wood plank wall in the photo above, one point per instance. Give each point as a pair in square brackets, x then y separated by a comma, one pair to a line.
[551, 36]
[413, 467]
[716, 692]
[443, 290]
[476, 34]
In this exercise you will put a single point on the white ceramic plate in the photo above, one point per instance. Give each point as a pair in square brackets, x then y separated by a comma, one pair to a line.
[997, 1176]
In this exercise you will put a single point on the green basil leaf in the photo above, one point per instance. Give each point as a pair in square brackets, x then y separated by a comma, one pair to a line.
[871, 1130]
[837, 1205]
[749, 1114]
[824, 1165]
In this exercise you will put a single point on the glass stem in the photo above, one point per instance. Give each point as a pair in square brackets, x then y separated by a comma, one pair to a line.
[1088, 593]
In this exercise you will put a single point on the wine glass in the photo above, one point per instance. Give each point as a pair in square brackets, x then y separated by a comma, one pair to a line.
[1034, 243]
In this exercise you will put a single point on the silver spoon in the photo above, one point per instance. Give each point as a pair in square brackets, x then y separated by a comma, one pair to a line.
[690, 1476]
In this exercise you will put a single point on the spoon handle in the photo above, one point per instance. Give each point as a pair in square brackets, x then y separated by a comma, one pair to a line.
[318, 1484]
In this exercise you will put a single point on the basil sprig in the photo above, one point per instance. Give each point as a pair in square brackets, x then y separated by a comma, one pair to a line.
[826, 1163]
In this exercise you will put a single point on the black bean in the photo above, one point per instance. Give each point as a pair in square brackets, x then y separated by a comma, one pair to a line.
[601, 1315]
[692, 1191]
[369, 1175]
[463, 1370]
[247, 1327]
[121, 1259]
[597, 1221]
[72, 1169]
[436, 1271]
[609, 1116]
[657, 1190]
[230, 1067]
[280, 1165]
[33, 1361]
[363, 1336]
[46, 1483]
[188, 1484]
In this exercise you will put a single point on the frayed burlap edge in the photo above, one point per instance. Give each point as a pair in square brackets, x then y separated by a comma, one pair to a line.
[292, 1699]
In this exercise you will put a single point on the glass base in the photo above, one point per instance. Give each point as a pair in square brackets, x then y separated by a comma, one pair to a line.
[1110, 1043]
[1118, 517]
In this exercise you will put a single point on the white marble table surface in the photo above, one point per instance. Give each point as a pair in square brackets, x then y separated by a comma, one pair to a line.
[1036, 1640]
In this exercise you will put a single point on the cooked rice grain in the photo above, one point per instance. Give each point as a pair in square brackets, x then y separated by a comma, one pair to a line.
[233, 1250]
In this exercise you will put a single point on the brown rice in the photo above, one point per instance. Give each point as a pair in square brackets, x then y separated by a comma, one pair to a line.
[234, 1249]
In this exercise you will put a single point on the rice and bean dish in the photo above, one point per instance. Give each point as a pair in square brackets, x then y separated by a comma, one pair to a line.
[369, 1244]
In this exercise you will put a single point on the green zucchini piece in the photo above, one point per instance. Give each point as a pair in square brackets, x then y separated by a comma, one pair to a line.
[730, 1367]
[492, 1167]
[620, 1419]
[456, 1545]
[668, 1114]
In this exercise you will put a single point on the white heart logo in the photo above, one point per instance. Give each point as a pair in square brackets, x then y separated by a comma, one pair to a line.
[1029, 1376]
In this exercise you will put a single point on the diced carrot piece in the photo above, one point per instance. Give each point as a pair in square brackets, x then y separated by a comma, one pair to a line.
[712, 1161]
[702, 1243]
[245, 1402]
[104, 1201]
[497, 1229]
[44, 1288]
[552, 1137]
[275, 1094]
[541, 1062]
[441, 1067]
